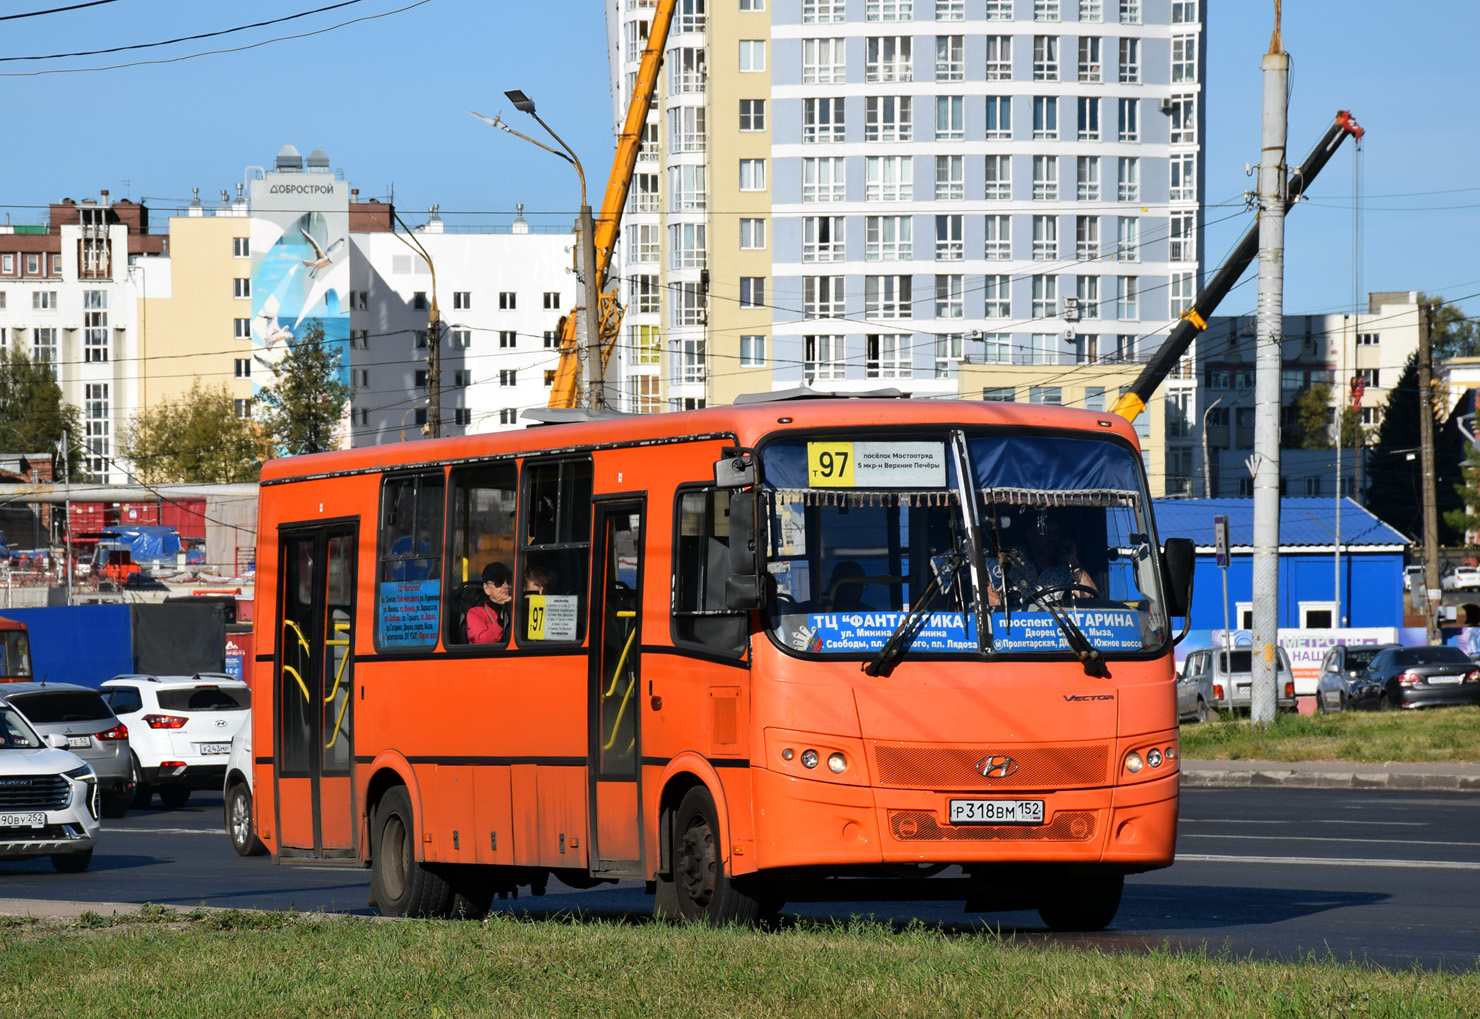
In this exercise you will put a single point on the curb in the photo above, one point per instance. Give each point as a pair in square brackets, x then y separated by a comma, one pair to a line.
[1326, 775]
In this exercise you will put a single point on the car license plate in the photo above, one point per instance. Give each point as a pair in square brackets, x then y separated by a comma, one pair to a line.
[996, 811]
[208, 749]
[1432, 680]
[76, 742]
[32, 820]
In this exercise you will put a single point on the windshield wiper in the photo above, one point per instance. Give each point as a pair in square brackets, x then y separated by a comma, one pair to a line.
[1015, 575]
[944, 568]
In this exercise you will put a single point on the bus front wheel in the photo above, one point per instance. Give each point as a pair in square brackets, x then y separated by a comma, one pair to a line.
[399, 884]
[702, 888]
[1081, 901]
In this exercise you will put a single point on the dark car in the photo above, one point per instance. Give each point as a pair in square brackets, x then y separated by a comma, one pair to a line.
[1418, 677]
[1341, 667]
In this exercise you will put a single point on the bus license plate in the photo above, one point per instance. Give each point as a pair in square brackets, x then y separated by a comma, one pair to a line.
[996, 811]
[33, 820]
[208, 749]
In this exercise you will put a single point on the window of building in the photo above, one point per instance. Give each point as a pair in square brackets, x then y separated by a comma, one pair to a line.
[998, 245]
[950, 10]
[1127, 238]
[999, 58]
[1045, 178]
[359, 339]
[692, 353]
[462, 300]
[1182, 242]
[1089, 119]
[823, 62]
[998, 294]
[508, 339]
[752, 351]
[1128, 120]
[241, 247]
[949, 302]
[242, 408]
[998, 178]
[950, 245]
[241, 287]
[887, 238]
[507, 300]
[887, 119]
[999, 10]
[1045, 10]
[824, 179]
[687, 70]
[1183, 177]
[823, 12]
[552, 300]
[752, 234]
[1086, 237]
[1091, 67]
[1127, 298]
[1087, 178]
[1183, 127]
[752, 55]
[888, 10]
[1183, 292]
[948, 354]
[1184, 58]
[642, 294]
[508, 377]
[1044, 348]
[686, 129]
[999, 394]
[888, 297]
[1045, 238]
[999, 118]
[242, 369]
[752, 114]
[44, 345]
[96, 344]
[1045, 58]
[685, 303]
[687, 246]
[889, 178]
[462, 416]
[823, 297]
[824, 358]
[950, 58]
[752, 175]
[645, 344]
[687, 188]
[551, 340]
[1368, 339]
[1130, 12]
[1184, 12]
[1046, 396]
[950, 118]
[419, 301]
[822, 239]
[1087, 293]
[1045, 118]
[887, 356]
[1130, 61]
[822, 121]
[97, 418]
[1045, 296]
[7, 264]
[752, 291]
[888, 58]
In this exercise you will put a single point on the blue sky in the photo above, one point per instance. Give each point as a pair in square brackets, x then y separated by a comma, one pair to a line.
[387, 98]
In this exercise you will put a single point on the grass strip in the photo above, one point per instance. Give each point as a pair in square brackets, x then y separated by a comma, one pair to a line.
[163, 964]
[1434, 735]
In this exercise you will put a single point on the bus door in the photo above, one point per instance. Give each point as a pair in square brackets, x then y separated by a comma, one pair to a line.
[616, 687]
[315, 712]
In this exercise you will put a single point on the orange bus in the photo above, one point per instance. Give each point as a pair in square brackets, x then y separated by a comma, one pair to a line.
[798, 649]
[15, 651]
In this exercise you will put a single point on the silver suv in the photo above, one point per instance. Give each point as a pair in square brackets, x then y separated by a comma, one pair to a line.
[180, 730]
[92, 731]
[48, 796]
[1216, 680]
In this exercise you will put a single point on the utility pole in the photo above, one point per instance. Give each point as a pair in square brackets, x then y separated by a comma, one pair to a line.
[595, 374]
[1426, 456]
[1269, 337]
[434, 364]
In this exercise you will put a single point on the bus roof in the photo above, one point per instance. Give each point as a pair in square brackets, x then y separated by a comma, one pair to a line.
[745, 424]
[11, 624]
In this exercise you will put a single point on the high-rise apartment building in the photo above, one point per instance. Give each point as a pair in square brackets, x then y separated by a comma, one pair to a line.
[956, 198]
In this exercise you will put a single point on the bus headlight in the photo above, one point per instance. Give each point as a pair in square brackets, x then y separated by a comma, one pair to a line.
[1133, 762]
[837, 763]
[809, 759]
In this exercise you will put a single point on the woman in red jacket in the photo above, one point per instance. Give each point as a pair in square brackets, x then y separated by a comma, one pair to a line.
[488, 621]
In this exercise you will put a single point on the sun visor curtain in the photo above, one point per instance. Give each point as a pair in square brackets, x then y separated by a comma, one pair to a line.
[1041, 470]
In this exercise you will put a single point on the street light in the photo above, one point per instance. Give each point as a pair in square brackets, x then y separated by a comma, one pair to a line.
[594, 372]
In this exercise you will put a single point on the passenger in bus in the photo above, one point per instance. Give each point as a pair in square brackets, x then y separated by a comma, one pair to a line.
[536, 579]
[488, 621]
[845, 588]
[1048, 561]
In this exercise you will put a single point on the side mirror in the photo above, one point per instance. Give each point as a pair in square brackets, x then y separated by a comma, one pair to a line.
[736, 469]
[55, 740]
[745, 588]
[1177, 561]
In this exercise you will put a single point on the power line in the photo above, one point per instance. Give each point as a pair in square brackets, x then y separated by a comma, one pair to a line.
[55, 10]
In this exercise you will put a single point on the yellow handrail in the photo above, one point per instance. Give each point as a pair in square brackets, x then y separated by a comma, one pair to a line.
[301, 684]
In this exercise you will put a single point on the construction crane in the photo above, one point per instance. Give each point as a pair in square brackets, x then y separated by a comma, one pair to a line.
[565, 390]
[1195, 319]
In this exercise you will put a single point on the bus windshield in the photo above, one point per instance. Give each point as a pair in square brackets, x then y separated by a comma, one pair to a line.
[15, 655]
[862, 532]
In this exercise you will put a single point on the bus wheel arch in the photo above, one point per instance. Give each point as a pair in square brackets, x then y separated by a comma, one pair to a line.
[702, 887]
[400, 884]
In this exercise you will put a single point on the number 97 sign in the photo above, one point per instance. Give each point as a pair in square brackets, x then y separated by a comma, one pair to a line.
[830, 464]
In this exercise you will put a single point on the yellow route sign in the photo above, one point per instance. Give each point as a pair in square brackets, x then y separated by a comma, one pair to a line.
[830, 464]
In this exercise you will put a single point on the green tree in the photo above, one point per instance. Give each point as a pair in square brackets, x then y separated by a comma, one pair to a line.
[1394, 470]
[1453, 334]
[33, 417]
[1312, 419]
[196, 438]
[1465, 520]
[305, 399]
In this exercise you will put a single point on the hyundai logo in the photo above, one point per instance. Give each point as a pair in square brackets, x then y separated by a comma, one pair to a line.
[996, 766]
[220, 723]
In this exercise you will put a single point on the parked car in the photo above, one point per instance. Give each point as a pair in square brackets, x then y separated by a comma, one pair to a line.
[1221, 680]
[181, 729]
[236, 794]
[1418, 677]
[1461, 578]
[48, 796]
[92, 731]
[1341, 667]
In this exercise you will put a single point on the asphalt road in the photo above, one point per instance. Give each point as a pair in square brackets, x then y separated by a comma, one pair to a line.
[1384, 877]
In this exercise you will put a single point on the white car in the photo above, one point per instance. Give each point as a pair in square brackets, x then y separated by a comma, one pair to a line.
[180, 730]
[1461, 578]
[48, 797]
[236, 795]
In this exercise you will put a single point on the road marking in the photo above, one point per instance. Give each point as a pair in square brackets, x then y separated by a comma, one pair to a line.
[164, 831]
[1318, 838]
[1327, 820]
[1328, 861]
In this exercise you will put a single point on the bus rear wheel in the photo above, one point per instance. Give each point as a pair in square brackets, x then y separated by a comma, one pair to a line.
[399, 884]
[702, 888]
[1081, 901]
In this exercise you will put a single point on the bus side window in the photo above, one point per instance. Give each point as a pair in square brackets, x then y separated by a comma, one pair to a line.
[409, 579]
[482, 503]
[701, 562]
[556, 531]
